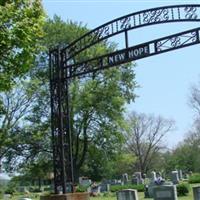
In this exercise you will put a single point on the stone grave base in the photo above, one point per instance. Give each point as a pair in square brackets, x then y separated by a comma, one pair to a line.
[68, 196]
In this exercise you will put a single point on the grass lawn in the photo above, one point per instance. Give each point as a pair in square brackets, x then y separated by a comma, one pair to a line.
[110, 196]
[141, 197]
[36, 196]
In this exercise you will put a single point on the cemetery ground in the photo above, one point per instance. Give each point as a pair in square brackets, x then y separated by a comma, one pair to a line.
[111, 196]
[102, 196]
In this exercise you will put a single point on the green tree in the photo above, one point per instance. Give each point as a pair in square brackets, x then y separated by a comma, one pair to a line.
[184, 156]
[144, 138]
[97, 102]
[99, 164]
[38, 171]
[21, 25]
[16, 107]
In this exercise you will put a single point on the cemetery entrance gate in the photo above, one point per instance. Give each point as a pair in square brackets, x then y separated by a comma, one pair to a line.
[64, 67]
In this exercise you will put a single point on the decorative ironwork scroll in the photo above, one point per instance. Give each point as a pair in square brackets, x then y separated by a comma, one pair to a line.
[150, 48]
[167, 14]
[61, 70]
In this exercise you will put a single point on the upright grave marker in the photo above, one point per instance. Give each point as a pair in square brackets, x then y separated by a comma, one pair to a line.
[128, 194]
[196, 192]
[165, 192]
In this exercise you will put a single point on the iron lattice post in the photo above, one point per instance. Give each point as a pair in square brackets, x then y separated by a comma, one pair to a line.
[60, 124]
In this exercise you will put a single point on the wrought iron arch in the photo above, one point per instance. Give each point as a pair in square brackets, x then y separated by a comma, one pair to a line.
[160, 15]
[61, 71]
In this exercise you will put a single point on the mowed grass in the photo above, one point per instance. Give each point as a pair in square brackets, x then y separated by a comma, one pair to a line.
[141, 197]
[110, 196]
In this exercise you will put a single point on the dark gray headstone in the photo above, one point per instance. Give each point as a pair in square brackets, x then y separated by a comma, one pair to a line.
[104, 187]
[125, 178]
[95, 189]
[165, 192]
[139, 176]
[128, 194]
[84, 181]
[196, 192]
[175, 178]
[180, 174]
[135, 181]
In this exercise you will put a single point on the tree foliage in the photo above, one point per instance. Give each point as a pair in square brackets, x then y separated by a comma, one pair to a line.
[16, 106]
[144, 138]
[97, 102]
[184, 156]
[21, 24]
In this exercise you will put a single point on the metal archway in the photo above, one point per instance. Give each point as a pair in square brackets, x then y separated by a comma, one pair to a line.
[61, 69]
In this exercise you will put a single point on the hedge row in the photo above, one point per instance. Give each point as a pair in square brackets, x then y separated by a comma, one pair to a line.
[116, 188]
[194, 178]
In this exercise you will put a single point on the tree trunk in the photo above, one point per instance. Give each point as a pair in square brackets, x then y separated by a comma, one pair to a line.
[76, 173]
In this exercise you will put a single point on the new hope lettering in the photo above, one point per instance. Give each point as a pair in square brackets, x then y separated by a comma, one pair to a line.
[128, 55]
[138, 52]
[118, 58]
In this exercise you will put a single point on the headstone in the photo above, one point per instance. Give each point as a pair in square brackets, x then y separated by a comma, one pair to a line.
[153, 176]
[175, 178]
[125, 178]
[146, 192]
[139, 176]
[104, 187]
[84, 181]
[152, 185]
[185, 176]
[95, 190]
[106, 181]
[196, 192]
[128, 194]
[135, 180]
[111, 182]
[180, 174]
[116, 182]
[165, 192]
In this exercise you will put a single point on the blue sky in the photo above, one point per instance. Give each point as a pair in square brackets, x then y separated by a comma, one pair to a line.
[165, 79]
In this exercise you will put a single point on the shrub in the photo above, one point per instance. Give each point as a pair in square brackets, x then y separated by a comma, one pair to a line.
[116, 188]
[47, 189]
[194, 178]
[81, 188]
[10, 191]
[36, 190]
[182, 189]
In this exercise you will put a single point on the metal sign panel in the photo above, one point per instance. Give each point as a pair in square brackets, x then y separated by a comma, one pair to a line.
[158, 46]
